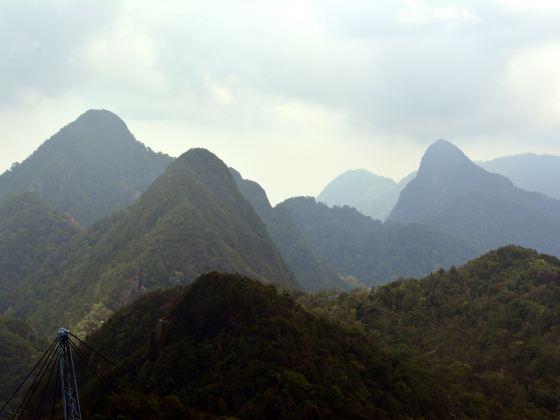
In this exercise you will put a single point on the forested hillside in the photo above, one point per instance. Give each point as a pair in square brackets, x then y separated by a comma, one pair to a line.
[89, 169]
[312, 274]
[486, 210]
[229, 346]
[34, 241]
[192, 220]
[371, 251]
[20, 347]
[490, 330]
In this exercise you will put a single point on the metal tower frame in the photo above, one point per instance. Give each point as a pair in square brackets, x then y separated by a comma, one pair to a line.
[68, 381]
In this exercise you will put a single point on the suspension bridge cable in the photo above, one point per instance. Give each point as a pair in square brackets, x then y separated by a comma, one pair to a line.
[120, 368]
[92, 368]
[35, 384]
[52, 371]
[27, 377]
[54, 397]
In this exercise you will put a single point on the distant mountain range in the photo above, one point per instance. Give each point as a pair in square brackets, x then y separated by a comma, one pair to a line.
[194, 215]
[369, 251]
[372, 195]
[182, 271]
[487, 210]
[532, 172]
[375, 195]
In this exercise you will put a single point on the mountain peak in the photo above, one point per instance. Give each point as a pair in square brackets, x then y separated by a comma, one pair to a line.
[197, 154]
[205, 167]
[100, 121]
[442, 156]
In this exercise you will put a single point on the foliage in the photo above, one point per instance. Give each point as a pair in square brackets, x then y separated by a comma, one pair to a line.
[33, 241]
[489, 331]
[20, 347]
[369, 250]
[89, 169]
[231, 347]
[312, 274]
[192, 220]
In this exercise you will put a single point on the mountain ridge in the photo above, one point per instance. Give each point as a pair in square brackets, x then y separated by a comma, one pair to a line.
[88, 169]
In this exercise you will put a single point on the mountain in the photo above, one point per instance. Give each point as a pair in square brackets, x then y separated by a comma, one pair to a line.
[453, 194]
[34, 239]
[20, 347]
[89, 169]
[372, 195]
[529, 171]
[371, 251]
[192, 220]
[231, 347]
[489, 331]
[312, 274]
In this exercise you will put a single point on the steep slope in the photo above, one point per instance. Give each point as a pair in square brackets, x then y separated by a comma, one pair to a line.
[369, 250]
[490, 330]
[20, 348]
[372, 195]
[453, 194]
[33, 241]
[311, 274]
[192, 220]
[89, 169]
[230, 347]
[529, 171]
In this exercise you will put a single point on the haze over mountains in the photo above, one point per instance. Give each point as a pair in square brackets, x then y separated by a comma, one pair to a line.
[487, 210]
[529, 171]
[89, 169]
[371, 194]
[93, 220]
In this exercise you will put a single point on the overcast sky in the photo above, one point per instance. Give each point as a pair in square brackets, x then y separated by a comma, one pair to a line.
[289, 92]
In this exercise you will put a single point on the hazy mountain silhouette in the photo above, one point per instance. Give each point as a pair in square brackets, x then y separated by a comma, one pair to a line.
[89, 169]
[532, 172]
[371, 251]
[372, 195]
[452, 193]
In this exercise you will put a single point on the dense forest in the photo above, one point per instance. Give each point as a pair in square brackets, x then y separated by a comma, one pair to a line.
[192, 220]
[297, 318]
[230, 347]
[312, 273]
[490, 331]
[479, 341]
[370, 251]
[20, 347]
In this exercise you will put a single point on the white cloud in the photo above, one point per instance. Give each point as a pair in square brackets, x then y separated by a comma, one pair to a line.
[418, 13]
[543, 7]
[533, 81]
[289, 92]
